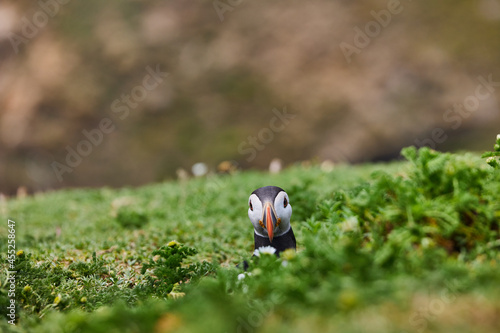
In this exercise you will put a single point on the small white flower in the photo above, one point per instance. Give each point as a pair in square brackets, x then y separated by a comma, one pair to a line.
[284, 263]
[498, 137]
[199, 169]
[490, 159]
[242, 275]
[350, 224]
[264, 250]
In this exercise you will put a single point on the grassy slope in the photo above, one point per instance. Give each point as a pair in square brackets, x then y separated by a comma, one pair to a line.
[415, 254]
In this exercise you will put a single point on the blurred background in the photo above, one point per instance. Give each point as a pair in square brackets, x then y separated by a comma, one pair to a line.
[85, 98]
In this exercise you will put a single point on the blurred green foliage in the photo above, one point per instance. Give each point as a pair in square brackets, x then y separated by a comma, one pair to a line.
[168, 270]
[376, 244]
[130, 218]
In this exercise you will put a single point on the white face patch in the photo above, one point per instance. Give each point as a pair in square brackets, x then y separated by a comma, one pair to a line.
[255, 214]
[284, 211]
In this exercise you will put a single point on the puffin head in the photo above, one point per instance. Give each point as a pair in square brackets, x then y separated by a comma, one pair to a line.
[269, 211]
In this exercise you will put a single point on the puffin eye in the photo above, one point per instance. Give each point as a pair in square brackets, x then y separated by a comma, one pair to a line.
[251, 207]
[285, 202]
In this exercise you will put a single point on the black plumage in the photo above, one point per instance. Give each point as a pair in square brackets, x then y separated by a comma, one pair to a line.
[280, 243]
[268, 193]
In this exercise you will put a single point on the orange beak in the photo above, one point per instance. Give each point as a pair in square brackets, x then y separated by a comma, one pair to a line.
[270, 220]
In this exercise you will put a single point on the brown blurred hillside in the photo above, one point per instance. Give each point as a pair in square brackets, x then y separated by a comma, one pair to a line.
[416, 71]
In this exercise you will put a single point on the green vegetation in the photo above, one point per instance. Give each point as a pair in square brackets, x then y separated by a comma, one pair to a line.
[493, 155]
[402, 247]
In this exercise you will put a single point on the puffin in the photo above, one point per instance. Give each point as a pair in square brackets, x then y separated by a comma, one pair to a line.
[270, 211]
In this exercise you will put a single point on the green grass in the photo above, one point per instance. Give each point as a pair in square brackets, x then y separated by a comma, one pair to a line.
[402, 247]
